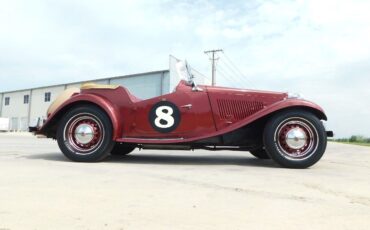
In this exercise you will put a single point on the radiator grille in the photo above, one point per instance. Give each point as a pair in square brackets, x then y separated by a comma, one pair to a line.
[237, 109]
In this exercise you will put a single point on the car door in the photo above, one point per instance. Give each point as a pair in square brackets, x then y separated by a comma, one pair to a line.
[182, 114]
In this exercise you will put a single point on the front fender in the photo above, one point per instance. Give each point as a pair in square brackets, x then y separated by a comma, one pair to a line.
[110, 109]
[294, 103]
[274, 108]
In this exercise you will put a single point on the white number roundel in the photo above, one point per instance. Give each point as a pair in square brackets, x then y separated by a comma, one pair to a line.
[164, 117]
[164, 113]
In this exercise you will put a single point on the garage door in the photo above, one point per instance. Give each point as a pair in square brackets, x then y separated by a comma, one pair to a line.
[14, 124]
[24, 124]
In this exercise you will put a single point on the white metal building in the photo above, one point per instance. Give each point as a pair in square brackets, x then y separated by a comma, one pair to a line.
[20, 108]
[23, 107]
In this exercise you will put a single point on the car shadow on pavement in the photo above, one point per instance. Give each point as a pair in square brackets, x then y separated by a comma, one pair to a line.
[57, 156]
[161, 159]
[190, 160]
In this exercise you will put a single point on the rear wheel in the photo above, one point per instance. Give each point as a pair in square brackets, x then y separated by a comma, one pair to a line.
[122, 149]
[295, 139]
[260, 154]
[85, 134]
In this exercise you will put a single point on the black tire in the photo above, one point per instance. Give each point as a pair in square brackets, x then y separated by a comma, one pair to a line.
[122, 149]
[295, 138]
[260, 154]
[84, 134]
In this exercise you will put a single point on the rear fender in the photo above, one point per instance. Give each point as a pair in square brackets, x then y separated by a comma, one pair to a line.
[110, 109]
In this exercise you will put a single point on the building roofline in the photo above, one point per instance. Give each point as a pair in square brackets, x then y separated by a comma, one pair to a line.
[79, 82]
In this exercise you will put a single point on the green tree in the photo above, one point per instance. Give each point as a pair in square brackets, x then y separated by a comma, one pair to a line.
[353, 138]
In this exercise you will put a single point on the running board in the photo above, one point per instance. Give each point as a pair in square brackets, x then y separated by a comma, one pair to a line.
[166, 147]
[150, 140]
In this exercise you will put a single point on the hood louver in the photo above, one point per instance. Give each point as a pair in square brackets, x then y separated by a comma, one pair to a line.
[237, 109]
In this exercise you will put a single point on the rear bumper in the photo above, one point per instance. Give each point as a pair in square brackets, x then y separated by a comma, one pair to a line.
[33, 129]
[36, 126]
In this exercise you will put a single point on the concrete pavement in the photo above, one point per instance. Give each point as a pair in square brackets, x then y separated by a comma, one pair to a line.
[41, 189]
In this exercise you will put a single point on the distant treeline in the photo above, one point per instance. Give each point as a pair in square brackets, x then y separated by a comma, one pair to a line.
[354, 139]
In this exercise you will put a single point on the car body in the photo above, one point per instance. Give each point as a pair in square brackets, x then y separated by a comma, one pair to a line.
[95, 120]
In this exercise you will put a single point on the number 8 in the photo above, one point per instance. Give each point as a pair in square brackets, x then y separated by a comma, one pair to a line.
[164, 113]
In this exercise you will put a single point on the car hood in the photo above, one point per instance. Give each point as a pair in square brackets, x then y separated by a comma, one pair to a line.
[267, 96]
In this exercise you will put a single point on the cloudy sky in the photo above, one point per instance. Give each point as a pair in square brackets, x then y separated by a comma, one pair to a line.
[320, 49]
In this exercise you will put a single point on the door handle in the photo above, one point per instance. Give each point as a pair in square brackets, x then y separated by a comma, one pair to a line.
[188, 106]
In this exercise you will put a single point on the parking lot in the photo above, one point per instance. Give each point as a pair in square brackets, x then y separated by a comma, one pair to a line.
[41, 189]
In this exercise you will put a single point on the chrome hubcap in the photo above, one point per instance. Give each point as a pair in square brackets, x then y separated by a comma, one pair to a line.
[296, 138]
[84, 133]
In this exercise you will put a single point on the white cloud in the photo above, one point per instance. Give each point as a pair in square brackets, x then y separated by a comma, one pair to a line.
[320, 48]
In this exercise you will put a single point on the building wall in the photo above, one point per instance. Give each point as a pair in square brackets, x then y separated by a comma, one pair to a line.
[143, 86]
[166, 83]
[38, 104]
[75, 85]
[1, 102]
[16, 111]
[78, 85]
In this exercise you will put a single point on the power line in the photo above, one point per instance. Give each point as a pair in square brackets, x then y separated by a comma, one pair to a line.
[233, 72]
[229, 69]
[213, 59]
[237, 69]
[226, 74]
[237, 75]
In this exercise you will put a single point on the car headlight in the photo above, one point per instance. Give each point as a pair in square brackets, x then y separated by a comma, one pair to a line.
[295, 96]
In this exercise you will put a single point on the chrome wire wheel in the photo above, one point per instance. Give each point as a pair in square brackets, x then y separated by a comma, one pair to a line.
[296, 138]
[83, 134]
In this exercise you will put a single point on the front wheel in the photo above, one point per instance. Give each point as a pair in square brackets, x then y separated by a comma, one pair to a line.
[85, 134]
[295, 139]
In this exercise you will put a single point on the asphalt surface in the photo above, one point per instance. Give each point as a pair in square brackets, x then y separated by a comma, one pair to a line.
[41, 189]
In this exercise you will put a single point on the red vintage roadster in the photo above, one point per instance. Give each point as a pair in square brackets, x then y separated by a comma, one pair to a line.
[91, 122]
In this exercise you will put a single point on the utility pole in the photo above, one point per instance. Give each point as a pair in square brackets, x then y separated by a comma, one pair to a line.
[213, 59]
